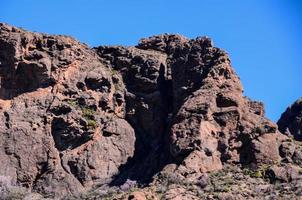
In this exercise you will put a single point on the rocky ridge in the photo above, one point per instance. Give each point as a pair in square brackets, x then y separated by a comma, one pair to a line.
[167, 118]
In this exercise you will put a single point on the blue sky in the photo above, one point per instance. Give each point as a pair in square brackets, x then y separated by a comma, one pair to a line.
[263, 38]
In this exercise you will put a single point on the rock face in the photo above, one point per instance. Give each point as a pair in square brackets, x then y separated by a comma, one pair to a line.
[73, 117]
[57, 135]
[210, 117]
[291, 120]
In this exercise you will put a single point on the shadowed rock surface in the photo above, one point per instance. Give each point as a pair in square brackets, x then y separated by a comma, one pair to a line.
[290, 122]
[166, 117]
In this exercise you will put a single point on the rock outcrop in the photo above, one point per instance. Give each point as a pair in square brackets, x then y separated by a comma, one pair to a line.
[290, 122]
[57, 136]
[171, 108]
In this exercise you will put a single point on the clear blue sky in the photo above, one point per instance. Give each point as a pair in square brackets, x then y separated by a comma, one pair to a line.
[263, 37]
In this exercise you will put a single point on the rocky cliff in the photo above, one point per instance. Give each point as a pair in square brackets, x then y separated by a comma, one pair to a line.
[166, 118]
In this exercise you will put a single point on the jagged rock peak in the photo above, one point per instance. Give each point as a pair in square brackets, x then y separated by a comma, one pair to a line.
[166, 42]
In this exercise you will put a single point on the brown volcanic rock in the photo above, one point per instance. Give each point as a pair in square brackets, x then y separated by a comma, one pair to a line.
[210, 113]
[74, 117]
[290, 122]
[56, 135]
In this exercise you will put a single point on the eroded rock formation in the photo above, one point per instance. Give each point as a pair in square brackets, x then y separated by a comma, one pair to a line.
[290, 122]
[73, 117]
[57, 135]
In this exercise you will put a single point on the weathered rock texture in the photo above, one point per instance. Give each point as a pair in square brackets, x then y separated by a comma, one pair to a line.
[57, 135]
[73, 117]
[291, 120]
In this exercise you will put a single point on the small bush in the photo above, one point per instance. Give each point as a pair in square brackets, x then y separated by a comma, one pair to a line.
[73, 103]
[88, 113]
[91, 123]
[257, 174]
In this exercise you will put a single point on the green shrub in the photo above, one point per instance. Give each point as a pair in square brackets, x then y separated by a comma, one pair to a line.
[88, 113]
[91, 123]
[73, 102]
[257, 174]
